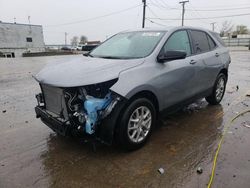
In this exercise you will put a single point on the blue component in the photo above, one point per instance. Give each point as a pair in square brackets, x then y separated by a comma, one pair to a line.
[92, 106]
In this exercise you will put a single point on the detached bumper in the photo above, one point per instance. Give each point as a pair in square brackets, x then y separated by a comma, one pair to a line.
[53, 123]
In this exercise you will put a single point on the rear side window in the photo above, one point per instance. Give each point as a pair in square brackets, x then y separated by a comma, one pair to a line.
[218, 38]
[200, 41]
[211, 42]
[178, 41]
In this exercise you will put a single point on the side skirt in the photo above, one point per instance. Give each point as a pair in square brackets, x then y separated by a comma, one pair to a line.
[174, 108]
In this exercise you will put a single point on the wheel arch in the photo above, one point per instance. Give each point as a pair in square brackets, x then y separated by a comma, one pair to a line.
[148, 95]
[225, 72]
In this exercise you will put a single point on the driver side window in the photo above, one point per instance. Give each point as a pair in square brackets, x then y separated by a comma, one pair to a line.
[178, 41]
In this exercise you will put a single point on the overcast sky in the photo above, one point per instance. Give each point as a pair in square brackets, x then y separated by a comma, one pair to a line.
[75, 16]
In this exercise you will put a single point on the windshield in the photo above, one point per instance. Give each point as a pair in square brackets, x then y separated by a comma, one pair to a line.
[128, 45]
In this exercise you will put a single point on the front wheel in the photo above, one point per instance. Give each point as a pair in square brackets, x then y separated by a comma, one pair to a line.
[218, 90]
[136, 124]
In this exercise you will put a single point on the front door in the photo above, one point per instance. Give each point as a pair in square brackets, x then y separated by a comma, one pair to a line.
[179, 77]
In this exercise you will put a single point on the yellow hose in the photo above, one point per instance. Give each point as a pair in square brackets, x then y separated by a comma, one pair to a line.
[219, 145]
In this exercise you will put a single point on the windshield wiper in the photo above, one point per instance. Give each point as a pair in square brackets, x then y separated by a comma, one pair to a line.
[87, 54]
[110, 57]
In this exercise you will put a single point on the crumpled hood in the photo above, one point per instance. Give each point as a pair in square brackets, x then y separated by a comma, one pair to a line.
[84, 71]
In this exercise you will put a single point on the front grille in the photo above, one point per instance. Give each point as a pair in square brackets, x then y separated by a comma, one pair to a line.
[54, 100]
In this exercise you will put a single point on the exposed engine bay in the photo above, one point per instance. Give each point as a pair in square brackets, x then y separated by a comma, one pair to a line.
[82, 108]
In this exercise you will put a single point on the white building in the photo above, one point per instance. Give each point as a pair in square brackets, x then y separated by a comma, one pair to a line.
[16, 39]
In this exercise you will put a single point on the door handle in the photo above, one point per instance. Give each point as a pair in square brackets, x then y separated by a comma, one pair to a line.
[192, 62]
[217, 55]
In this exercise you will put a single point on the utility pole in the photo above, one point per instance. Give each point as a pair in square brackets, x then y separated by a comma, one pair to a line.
[183, 11]
[29, 19]
[65, 38]
[29, 23]
[213, 25]
[144, 12]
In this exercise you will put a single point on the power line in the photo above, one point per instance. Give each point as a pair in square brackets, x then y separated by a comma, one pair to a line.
[204, 18]
[221, 9]
[224, 6]
[197, 13]
[150, 10]
[212, 10]
[164, 3]
[163, 7]
[94, 18]
[153, 13]
[156, 22]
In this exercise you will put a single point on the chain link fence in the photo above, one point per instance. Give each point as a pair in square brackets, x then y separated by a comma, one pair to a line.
[237, 42]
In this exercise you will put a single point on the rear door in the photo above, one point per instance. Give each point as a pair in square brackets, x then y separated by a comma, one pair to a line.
[205, 56]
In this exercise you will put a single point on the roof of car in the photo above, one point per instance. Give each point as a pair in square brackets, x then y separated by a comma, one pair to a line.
[168, 28]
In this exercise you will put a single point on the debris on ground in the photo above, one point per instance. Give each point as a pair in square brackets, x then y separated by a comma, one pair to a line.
[199, 170]
[4, 111]
[192, 108]
[26, 122]
[244, 104]
[246, 124]
[161, 170]
[248, 95]
[233, 89]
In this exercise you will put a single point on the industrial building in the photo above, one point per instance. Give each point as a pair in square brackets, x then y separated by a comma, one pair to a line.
[16, 39]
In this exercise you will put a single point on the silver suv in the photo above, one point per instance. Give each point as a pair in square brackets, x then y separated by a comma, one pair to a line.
[115, 92]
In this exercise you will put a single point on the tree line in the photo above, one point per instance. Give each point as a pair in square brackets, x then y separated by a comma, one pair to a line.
[76, 40]
[227, 29]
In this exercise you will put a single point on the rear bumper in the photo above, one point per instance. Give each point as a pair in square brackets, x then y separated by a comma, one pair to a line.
[55, 124]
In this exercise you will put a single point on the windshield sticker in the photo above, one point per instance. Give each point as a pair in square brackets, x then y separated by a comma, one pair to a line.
[151, 34]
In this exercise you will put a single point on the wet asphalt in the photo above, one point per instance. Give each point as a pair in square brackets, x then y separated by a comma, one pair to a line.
[31, 155]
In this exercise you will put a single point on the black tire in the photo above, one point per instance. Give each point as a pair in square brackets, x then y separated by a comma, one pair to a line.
[213, 99]
[122, 131]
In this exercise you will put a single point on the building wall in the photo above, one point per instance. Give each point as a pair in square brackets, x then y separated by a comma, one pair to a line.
[13, 38]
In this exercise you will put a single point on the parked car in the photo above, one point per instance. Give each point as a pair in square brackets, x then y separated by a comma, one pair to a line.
[89, 47]
[79, 47]
[117, 92]
[65, 48]
[73, 48]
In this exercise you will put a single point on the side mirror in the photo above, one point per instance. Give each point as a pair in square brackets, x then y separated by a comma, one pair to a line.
[171, 55]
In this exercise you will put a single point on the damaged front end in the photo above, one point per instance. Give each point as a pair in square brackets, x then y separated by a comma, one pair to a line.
[86, 109]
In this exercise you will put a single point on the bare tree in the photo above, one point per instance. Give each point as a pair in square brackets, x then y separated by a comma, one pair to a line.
[241, 29]
[74, 41]
[83, 39]
[226, 28]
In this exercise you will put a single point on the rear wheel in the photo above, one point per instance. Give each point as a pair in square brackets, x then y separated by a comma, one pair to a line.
[136, 124]
[218, 90]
